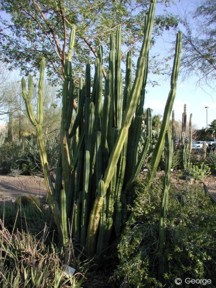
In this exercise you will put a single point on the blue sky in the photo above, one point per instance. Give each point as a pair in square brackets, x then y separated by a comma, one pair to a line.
[196, 96]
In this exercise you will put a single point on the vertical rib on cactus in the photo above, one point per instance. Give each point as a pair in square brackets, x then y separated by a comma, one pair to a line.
[118, 192]
[167, 113]
[122, 136]
[66, 157]
[112, 70]
[144, 151]
[184, 119]
[105, 120]
[85, 196]
[173, 128]
[128, 81]
[118, 79]
[71, 43]
[136, 130]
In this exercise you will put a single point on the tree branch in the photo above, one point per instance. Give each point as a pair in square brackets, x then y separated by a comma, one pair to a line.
[38, 8]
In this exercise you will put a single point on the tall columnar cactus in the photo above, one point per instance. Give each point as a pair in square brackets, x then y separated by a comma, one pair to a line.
[186, 139]
[37, 121]
[167, 113]
[98, 154]
[164, 206]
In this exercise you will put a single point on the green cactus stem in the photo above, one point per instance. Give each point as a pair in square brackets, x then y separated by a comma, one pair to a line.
[164, 207]
[156, 156]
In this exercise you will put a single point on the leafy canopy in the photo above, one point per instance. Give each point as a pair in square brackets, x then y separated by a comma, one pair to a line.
[36, 28]
[200, 41]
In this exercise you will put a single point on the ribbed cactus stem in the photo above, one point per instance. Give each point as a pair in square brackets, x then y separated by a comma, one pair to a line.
[71, 43]
[167, 113]
[173, 128]
[41, 92]
[37, 120]
[165, 200]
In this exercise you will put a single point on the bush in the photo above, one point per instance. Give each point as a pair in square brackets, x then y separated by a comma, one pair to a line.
[20, 156]
[197, 171]
[23, 157]
[29, 256]
[27, 262]
[190, 242]
[211, 161]
[25, 216]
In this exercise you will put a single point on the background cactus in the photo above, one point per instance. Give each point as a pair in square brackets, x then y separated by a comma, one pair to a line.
[186, 139]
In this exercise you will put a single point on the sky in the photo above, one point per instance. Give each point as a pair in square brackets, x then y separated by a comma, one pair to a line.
[196, 96]
[189, 91]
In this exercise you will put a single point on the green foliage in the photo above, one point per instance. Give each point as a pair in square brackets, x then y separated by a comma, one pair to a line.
[199, 53]
[27, 214]
[20, 157]
[37, 29]
[99, 140]
[212, 128]
[23, 157]
[190, 244]
[208, 133]
[177, 160]
[211, 161]
[26, 261]
[197, 171]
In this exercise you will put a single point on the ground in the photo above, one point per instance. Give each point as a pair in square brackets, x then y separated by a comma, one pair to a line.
[11, 187]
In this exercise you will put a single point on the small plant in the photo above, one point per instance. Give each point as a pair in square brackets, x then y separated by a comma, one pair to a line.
[19, 157]
[26, 200]
[26, 214]
[189, 250]
[197, 171]
[211, 161]
[27, 262]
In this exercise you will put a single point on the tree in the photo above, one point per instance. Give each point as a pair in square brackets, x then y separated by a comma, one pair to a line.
[200, 41]
[36, 28]
[212, 128]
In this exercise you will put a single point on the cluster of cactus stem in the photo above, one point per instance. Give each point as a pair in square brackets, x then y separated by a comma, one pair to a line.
[98, 151]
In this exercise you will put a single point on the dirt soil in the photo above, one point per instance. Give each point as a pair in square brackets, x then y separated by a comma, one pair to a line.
[12, 187]
[208, 184]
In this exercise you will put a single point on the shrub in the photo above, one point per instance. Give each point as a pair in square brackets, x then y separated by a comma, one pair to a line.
[197, 171]
[20, 156]
[28, 262]
[211, 161]
[190, 249]
[23, 157]
[29, 255]
[25, 216]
